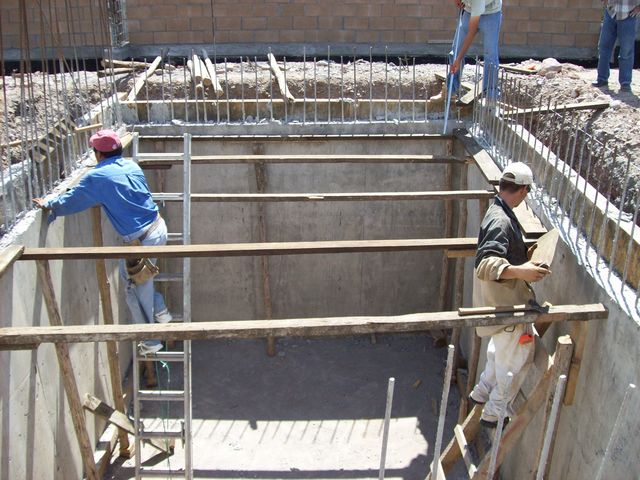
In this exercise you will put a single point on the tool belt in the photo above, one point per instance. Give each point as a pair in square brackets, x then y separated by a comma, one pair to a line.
[141, 270]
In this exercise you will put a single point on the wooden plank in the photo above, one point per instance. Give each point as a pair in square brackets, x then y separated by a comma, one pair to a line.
[560, 108]
[247, 249]
[296, 327]
[470, 429]
[8, 256]
[482, 159]
[157, 160]
[579, 334]
[120, 420]
[465, 85]
[327, 197]
[107, 315]
[143, 78]
[282, 84]
[461, 253]
[464, 449]
[217, 88]
[526, 413]
[66, 372]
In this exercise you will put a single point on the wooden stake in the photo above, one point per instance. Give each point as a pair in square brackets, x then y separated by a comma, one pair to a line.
[579, 335]
[440, 337]
[66, 371]
[284, 90]
[107, 314]
[143, 78]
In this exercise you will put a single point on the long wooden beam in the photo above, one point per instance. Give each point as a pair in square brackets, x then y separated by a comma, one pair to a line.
[328, 197]
[19, 337]
[248, 249]
[165, 160]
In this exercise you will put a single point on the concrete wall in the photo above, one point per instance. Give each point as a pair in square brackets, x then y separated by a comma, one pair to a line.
[313, 285]
[609, 364]
[423, 27]
[37, 435]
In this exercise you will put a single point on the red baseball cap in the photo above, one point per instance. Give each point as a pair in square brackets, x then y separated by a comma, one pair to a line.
[105, 141]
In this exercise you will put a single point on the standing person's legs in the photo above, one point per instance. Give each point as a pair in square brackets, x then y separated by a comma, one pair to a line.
[510, 356]
[461, 32]
[608, 33]
[487, 382]
[490, 27]
[627, 39]
[141, 299]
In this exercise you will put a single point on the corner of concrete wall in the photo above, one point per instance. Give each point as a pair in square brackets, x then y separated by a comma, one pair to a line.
[37, 436]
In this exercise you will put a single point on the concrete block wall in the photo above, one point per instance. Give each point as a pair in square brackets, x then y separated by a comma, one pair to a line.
[531, 27]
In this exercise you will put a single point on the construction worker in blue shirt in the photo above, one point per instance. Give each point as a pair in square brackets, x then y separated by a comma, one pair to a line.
[120, 187]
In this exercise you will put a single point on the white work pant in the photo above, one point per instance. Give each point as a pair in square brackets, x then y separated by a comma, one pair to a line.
[504, 354]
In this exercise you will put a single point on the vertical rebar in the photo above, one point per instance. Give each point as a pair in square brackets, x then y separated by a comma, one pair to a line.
[595, 200]
[244, 116]
[255, 61]
[566, 181]
[413, 91]
[495, 444]
[355, 89]
[555, 407]
[634, 220]
[341, 90]
[328, 83]
[226, 91]
[622, 416]
[270, 89]
[443, 413]
[186, 91]
[399, 88]
[386, 83]
[173, 113]
[385, 431]
[576, 190]
[370, 85]
[580, 216]
[315, 92]
[605, 216]
[285, 99]
[623, 199]
[304, 85]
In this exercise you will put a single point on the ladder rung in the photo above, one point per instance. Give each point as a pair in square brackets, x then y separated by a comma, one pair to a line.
[161, 434]
[166, 196]
[161, 395]
[174, 237]
[168, 277]
[163, 356]
[162, 473]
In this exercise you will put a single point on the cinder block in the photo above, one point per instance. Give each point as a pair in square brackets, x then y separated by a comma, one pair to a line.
[254, 23]
[563, 40]
[304, 23]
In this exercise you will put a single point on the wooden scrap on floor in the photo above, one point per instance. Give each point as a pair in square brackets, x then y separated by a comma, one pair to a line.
[284, 90]
[114, 71]
[143, 78]
[120, 420]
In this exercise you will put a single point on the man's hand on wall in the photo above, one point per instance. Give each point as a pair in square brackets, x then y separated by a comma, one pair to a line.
[40, 203]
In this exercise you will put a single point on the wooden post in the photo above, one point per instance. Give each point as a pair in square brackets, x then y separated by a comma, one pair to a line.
[107, 314]
[440, 336]
[458, 282]
[66, 370]
[261, 182]
[579, 335]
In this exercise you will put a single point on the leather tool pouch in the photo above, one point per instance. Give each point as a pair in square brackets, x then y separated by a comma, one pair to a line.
[140, 270]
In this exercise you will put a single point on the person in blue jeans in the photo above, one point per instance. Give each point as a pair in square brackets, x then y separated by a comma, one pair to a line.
[619, 22]
[478, 16]
[120, 187]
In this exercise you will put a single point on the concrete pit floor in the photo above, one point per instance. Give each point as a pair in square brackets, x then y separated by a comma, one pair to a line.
[314, 411]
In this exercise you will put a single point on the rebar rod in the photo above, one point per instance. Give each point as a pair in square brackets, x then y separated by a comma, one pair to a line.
[443, 413]
[386, 83]
[304, 85]
[605, 216]
[355, 89]
[370, 85]
[615, 433]
[255, 61]
[285, 98]
[623, 199]
[497, 437]
[328, 83]
[242, 89]
[413, 91]
[583, 205]
[315, 91]
[270, 90]
[631, 238]
[146, 95]
[341, 90]
[548, 437]
[385, 431]
[595, 200]
[399, 89]
[226, 90]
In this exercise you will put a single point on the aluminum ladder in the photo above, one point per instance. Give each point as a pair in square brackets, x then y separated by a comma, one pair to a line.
[173, 357]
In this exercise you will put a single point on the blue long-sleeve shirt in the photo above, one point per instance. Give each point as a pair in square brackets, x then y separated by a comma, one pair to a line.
[120, 187]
